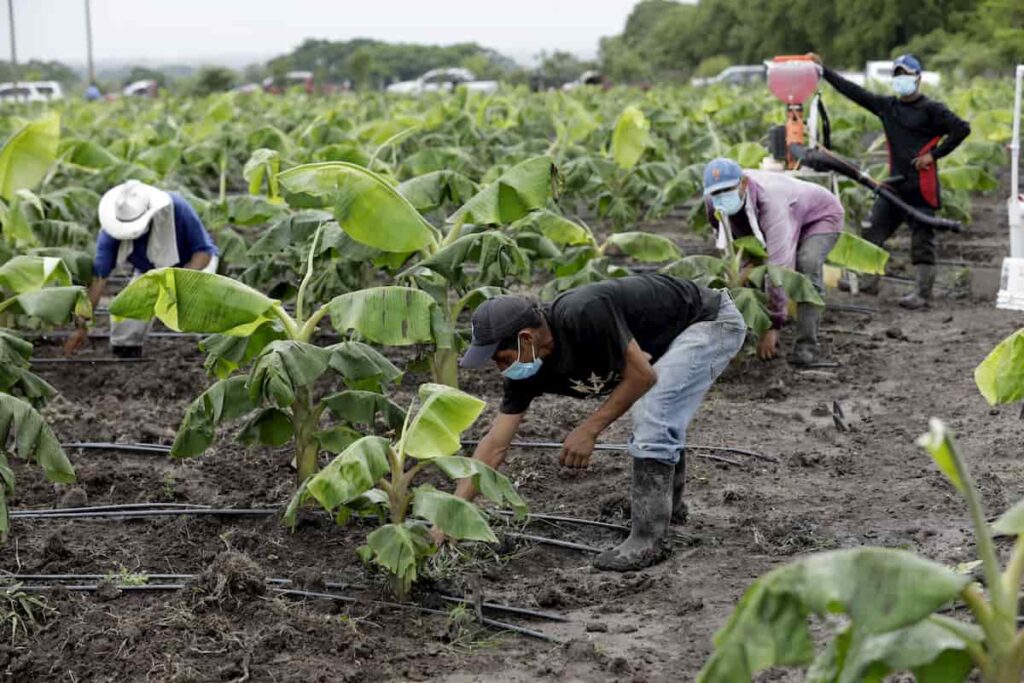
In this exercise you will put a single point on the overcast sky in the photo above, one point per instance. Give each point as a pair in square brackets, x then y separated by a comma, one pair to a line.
[237, 31]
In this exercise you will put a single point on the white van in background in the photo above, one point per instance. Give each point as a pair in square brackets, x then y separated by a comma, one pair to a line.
[31, 91]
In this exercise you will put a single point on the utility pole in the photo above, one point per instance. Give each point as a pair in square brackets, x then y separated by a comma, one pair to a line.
[14, 50]
[88, 42]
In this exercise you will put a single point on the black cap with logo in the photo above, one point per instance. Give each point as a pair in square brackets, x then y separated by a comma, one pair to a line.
[494, 321]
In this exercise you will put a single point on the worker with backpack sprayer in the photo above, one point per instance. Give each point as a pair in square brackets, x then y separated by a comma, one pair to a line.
[919, 132]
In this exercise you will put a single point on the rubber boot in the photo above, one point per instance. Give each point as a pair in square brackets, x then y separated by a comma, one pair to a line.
[651, 505]
[925, 282]
[680, 511]
[807, 350]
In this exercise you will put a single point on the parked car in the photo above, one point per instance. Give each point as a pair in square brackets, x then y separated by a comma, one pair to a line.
[292, 79]
[31, 91]
[443, 80]
[740, 74]
[586, 78]
[143, 88]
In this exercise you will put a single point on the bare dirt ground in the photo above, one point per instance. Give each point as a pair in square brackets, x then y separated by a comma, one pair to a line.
[832, 489]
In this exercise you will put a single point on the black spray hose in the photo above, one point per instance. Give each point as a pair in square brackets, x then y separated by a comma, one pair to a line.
[823, 160]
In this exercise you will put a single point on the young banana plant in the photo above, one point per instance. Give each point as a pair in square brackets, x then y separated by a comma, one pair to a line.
[375, 476]
[38, 289]
[378, 215]
[889, 603]
[278, 391]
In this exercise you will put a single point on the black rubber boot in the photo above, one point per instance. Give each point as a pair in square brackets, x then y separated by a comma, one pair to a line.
[925, 282]
[680, 511]
[651, 510]
[126, 351]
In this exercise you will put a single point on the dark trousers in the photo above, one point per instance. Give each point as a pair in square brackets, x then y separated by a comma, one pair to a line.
[886, 217]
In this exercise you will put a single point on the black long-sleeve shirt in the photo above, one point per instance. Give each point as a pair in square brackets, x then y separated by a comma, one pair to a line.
[911, 129]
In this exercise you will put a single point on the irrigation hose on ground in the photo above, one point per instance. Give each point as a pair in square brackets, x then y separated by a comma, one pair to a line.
[162, 449]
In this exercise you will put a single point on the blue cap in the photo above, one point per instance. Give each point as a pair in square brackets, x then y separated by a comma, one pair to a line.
[907, 63]
[721, 174]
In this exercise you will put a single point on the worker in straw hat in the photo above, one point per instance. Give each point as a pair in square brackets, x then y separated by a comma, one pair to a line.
[147, 228]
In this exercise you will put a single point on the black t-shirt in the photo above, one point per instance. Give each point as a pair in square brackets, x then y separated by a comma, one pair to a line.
[594, 324]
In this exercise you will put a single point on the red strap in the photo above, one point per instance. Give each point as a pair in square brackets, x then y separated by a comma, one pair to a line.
[928, 177]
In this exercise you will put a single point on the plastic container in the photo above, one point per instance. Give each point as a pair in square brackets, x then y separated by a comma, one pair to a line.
[793, 79]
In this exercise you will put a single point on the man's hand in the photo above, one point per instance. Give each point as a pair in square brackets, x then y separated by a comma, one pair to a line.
[577, 448]
[766, 345]
[76, 341]
[815, 57]
[924, 161]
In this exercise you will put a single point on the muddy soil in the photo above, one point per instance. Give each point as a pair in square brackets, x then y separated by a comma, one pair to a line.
[831, 489]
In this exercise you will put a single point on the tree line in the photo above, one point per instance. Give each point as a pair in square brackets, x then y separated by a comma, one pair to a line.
[666, 40]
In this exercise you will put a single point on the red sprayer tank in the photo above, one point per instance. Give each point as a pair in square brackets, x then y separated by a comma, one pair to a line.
[793, 79]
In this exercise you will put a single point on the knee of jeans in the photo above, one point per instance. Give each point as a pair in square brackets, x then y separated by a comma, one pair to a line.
[666, 453]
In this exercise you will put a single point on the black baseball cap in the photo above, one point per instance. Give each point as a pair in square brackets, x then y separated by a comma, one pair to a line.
[494, 321]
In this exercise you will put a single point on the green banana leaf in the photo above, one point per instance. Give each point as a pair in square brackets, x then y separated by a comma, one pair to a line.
[435, 189]
[496, 255]
[525, 187]
[270, 427]
[284, 367]
[556, 228]
[352, 473]
[630, 137]
[930, 649]
[227, 399]
[939, 444]
[361, 367]
[365, 205]
[394, 316]
[488, 481]
[752, 304]
[796, 285]
[643, 246]
[263, 165]
[855, 253]
[53, 305]
[192, 301]
[1000, 377]
[398, 548]
[28, 154]
[28, 273]
[444, 413]
[363, 407]
[455, 516]
[879, 589]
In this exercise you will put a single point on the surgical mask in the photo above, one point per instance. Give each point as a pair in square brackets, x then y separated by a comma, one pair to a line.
[904, 85]
[521, 370]
[728, 203]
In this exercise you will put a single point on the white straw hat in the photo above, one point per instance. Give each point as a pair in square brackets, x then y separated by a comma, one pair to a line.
[126, 210]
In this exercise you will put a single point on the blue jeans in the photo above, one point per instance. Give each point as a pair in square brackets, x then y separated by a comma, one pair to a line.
[689, 367]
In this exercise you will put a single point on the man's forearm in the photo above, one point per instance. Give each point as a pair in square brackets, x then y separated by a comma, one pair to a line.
[199, 260]
[96, 288]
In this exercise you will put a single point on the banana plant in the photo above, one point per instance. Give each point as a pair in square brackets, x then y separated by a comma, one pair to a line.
[38, 289]
[376, 475]
[278, 390]
[891, 602]
[378, 215]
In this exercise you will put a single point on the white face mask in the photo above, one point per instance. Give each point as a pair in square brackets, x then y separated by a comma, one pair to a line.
[904, 85]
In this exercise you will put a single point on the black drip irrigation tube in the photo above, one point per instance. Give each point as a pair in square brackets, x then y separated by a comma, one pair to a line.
[162, 449]
[851, 308]
[55, 582]
[623, 447]
[88, 361]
